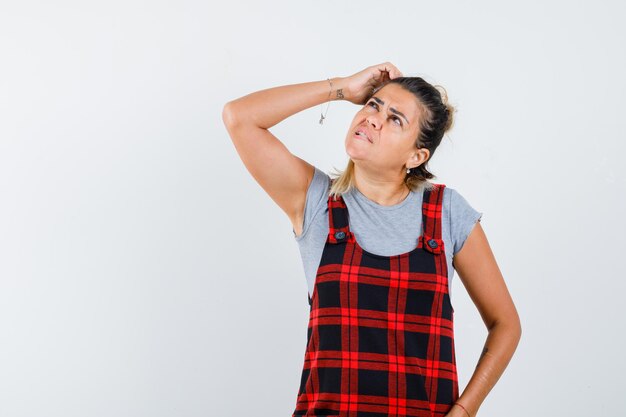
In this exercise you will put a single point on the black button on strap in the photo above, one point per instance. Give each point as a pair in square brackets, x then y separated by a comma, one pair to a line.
[340, 235]
[433, 243]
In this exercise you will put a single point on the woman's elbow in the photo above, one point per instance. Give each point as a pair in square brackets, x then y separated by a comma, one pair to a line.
[229, 114]
[510, 323]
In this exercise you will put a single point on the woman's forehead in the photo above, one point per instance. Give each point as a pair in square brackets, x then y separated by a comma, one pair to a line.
[398, 97]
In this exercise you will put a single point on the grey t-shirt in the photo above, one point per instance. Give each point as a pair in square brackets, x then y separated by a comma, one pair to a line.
[382, 230]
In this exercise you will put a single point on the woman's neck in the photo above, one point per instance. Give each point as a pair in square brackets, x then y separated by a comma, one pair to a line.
[382, 192]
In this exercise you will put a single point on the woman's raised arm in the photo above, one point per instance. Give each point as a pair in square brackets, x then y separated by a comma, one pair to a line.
[282, 175]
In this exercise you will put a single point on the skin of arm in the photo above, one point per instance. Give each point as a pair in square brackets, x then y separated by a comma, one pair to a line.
[284, 176]
[481, 276]
[286, 100]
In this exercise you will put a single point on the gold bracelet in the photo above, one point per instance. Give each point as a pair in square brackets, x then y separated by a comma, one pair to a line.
[322, 116]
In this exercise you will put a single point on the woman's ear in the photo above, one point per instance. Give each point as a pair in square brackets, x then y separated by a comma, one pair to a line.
[422, 155]
[418, 158]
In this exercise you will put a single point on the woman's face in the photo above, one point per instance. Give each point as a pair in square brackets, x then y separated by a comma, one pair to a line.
[389, 122]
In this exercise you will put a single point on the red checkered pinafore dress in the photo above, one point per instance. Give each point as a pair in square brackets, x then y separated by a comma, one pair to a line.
[380, 337]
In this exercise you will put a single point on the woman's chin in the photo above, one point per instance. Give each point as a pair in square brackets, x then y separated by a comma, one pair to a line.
[355, 150]
[356, 154]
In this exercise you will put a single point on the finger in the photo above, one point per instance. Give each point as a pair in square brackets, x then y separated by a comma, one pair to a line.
[382, 74]
[391, 73]
[394, 72]
[385, 67]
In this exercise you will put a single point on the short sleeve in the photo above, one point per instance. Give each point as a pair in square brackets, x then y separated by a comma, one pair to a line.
[463, 217]
[316, 197]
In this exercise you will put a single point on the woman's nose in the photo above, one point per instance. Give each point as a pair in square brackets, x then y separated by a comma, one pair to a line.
[373, 121]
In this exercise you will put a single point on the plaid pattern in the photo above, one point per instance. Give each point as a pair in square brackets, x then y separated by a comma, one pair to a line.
[380, 337]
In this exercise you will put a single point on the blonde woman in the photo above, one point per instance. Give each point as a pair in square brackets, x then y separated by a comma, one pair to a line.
[380, 244]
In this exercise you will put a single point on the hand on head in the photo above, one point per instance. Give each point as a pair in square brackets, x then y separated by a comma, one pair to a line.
[361, 85]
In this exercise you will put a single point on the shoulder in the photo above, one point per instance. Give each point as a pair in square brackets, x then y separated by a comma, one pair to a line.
[316, 199]
[458, 203]
[319, 185]
[462, 216]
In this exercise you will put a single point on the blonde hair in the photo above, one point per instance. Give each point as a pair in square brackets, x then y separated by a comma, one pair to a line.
[343, 181]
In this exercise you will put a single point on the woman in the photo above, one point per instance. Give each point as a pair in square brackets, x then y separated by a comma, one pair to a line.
[379, 244]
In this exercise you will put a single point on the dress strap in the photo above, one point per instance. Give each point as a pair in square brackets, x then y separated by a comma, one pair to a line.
[338, 220]
[432, 207]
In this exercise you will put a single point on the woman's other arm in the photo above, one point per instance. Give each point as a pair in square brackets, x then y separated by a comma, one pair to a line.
[481, 276]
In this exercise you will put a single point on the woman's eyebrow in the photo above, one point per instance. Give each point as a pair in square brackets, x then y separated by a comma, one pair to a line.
[382, 103]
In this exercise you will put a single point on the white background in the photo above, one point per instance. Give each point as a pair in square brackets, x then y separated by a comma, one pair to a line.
[143, 271]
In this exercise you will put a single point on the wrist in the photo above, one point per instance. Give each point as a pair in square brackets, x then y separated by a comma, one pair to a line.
[339, 90]
[463, 411]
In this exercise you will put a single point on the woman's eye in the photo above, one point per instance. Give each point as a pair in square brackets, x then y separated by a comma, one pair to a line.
[394, 118]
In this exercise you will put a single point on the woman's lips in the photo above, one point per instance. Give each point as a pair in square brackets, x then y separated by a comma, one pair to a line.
[362, 137]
